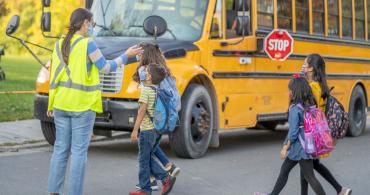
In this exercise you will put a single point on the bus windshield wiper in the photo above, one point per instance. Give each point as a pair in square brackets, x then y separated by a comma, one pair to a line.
[107, 29]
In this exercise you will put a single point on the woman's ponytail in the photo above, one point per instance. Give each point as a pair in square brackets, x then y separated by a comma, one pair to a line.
[76, 21]
[66, 45]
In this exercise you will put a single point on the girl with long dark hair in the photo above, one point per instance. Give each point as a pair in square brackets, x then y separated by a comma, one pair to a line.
[75, 98]
[301, 98]
[314, 70]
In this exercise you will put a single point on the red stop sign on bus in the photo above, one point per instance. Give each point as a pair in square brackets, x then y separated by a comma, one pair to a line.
[278, 44]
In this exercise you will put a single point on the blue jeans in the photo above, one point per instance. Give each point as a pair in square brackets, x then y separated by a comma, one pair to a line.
[147, 164]
[73, 134]
[158, 152]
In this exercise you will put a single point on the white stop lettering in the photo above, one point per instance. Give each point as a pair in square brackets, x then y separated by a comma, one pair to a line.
[278, 45]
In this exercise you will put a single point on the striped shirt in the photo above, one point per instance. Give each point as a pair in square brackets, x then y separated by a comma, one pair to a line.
[96, 57]
[147, 96]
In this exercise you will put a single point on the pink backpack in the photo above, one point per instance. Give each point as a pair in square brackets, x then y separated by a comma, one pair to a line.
[317, 138]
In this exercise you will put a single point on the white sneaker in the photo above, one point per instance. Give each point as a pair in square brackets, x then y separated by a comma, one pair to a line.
[345, 191]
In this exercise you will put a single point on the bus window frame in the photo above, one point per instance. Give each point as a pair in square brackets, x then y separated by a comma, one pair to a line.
[266, 13]
[312, 11]
[350, 37]
[291, 17]
[221, 28]
[334, 15]
[356, 19]
[308, 19]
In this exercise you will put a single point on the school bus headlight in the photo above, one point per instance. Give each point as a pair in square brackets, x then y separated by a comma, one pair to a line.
[44, 73]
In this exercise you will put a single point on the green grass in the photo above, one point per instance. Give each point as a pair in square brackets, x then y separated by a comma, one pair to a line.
[21, 73]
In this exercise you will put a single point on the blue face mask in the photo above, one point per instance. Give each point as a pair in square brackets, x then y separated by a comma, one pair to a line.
[142, 73]
[138, 58]
[90, 30]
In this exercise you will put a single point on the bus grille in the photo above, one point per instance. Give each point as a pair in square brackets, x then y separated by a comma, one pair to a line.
[112, 82]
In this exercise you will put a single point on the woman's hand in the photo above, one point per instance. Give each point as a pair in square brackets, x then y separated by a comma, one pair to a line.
[134, 135]
[50, 113]
[283, 152]
[133, 51]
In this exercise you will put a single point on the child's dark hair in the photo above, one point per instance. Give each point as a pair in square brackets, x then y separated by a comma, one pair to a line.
[301, 92]
[157, 72]
[319, 75]
[151, 55]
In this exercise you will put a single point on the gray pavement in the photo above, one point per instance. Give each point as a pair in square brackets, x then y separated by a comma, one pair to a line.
[20, 132]
[247, 161]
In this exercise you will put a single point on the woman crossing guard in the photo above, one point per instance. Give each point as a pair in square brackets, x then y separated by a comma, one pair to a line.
[75, 98]
[314, 71]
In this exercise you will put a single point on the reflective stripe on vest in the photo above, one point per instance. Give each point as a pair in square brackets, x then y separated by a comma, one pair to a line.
[69, 84]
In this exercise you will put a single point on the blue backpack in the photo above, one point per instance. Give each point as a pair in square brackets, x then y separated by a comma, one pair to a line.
[165, 113]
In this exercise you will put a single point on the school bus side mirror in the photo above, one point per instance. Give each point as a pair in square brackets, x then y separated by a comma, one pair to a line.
[46, 22]
[46, 16]
[46, 3]
[12, 25]
[88, 4]
[155, 26]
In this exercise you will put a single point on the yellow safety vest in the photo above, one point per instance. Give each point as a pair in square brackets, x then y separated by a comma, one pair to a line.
[71, 87]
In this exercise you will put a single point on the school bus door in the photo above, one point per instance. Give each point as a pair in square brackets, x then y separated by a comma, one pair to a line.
[230, 62]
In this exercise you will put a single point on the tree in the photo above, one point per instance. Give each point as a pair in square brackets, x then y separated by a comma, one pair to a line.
[30, 15]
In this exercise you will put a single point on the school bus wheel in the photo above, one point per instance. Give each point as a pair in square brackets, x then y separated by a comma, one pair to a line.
[192, 138]
[48, 129]
[357, 112]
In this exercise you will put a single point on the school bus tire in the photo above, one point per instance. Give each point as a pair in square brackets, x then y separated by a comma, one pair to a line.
[48, 129]
[357, 112]
[192, 137]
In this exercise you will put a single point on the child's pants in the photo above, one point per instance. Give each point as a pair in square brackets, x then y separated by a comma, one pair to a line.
[306, 169]
[148, 166]
[325, 173]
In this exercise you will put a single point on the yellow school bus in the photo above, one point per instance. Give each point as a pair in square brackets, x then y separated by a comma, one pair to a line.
[215, 50]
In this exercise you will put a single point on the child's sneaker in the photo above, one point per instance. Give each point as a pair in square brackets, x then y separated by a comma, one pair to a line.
[168, 185]
[139, 192]
[345, 191]
[173, 170]
[153, 185]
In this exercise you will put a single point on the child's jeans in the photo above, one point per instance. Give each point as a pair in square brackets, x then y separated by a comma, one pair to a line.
[149, 166]
[158, 152]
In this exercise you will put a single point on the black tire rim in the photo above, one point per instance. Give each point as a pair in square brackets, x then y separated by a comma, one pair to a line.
[200, 122]
[358, 112]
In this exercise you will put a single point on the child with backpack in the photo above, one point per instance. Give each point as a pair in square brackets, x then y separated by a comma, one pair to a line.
[314, 71]
[153, 55]
[148, 135]
[293, 152]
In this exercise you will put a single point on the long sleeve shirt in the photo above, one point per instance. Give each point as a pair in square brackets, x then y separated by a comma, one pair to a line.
[96, 57]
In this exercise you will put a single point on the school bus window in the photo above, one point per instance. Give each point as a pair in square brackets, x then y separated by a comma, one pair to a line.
[234, 18]
[368, 20]
[216, 26]
[265, 14]
[284, 14]
[333, 18]
[318, 17]
[301, 11]
[347, 18]
[360, 19]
